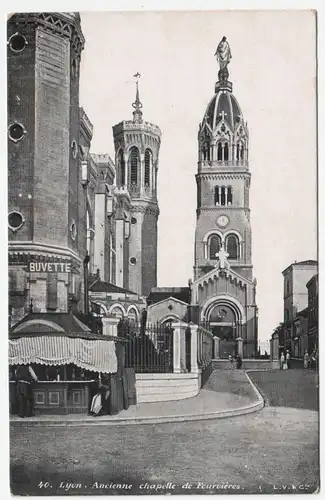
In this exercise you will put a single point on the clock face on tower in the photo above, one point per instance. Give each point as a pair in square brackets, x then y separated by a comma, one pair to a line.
[222, 220]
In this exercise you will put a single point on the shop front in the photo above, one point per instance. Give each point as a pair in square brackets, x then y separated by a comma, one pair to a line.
[68, 367]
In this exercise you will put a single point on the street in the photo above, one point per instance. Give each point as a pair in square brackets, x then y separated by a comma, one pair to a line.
[272, 451]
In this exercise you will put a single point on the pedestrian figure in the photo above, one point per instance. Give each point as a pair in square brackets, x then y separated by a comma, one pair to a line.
[100, 401]
[306, 359]
[25, 377]
[288, 359]
[282, 360]
[239, 362]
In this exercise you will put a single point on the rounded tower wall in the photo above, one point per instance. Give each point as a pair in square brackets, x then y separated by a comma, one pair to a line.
[43, 165]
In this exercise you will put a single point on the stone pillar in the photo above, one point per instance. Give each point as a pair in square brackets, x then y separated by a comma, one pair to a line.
[275, 346]
[240, 346]
[119, 263]
[141, 183]
[179, 353]
[110, 326]
[194, 347]
[126, 169]
[216, 348]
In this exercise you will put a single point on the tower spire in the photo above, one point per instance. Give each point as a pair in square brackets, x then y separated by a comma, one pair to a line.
[137, 105]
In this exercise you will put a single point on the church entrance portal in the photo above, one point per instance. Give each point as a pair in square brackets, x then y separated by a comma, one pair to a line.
[223, 322]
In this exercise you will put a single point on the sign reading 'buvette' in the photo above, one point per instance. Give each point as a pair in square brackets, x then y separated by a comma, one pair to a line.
[49, 267]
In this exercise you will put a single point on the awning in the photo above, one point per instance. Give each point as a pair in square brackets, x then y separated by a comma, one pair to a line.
[93, 355]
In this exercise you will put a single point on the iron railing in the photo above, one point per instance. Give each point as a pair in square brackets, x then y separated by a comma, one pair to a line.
[204, 347]
[149, 349]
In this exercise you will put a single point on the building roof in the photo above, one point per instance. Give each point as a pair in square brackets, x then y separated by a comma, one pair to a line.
[224, 101]
[41, 323]
[303, 313]
[159, 294]
[98, 286]
[312, 279]
[302, 263]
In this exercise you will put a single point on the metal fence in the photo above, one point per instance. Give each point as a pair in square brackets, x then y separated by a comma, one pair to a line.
[204, 347]
[149, 349]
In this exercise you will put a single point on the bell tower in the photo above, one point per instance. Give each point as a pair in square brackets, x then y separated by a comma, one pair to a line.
[223, 181]
[137, 144]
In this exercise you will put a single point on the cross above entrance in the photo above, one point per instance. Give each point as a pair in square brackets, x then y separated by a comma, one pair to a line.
[222, 256]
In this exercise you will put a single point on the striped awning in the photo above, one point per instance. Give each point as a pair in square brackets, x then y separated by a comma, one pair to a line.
[93, 355]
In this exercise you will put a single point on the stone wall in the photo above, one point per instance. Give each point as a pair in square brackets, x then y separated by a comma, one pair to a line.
[51, 174]
[21, 103]
[149, 252]
[153, 387]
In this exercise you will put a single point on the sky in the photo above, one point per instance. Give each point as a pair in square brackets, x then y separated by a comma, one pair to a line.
[273, 70]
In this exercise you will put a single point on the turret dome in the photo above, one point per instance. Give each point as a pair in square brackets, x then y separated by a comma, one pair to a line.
[223, 133]
[223, 105]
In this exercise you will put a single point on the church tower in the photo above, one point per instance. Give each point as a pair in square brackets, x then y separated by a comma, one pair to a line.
[137, 144]
[223, 291]
[223, 183]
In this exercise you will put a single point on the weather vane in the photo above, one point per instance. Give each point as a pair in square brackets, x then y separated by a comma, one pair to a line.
[137, 76]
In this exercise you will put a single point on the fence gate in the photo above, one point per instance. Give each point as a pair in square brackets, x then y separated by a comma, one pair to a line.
[148, 350]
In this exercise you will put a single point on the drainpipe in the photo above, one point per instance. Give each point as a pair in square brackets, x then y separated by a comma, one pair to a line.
[86, 291]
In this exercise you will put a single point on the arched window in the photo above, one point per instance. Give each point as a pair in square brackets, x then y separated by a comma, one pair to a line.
[121, 163]
[219, 152]
[134, 163]
[222, 314]
[206, 150]
[216, 196]
[117, 311]
[214, 246]
[147, 167]
[232, 246]
[238, 152]
[132, 316]
[223, 196]
[229, 195]
[226, 152]
[242, 150]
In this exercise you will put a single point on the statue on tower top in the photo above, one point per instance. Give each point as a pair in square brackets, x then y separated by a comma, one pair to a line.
[223, 56]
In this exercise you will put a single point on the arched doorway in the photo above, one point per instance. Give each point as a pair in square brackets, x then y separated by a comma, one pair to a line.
[225, 322]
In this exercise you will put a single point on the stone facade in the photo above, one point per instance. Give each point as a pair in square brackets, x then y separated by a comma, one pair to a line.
[297, 305]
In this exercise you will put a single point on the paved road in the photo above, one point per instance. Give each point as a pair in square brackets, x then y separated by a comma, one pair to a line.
[274, 450]
[289, 388]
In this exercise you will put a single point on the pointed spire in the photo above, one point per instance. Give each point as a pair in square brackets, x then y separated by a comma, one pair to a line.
[137, 113]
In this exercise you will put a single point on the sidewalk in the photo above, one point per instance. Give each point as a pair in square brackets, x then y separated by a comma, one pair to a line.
[226, 394]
